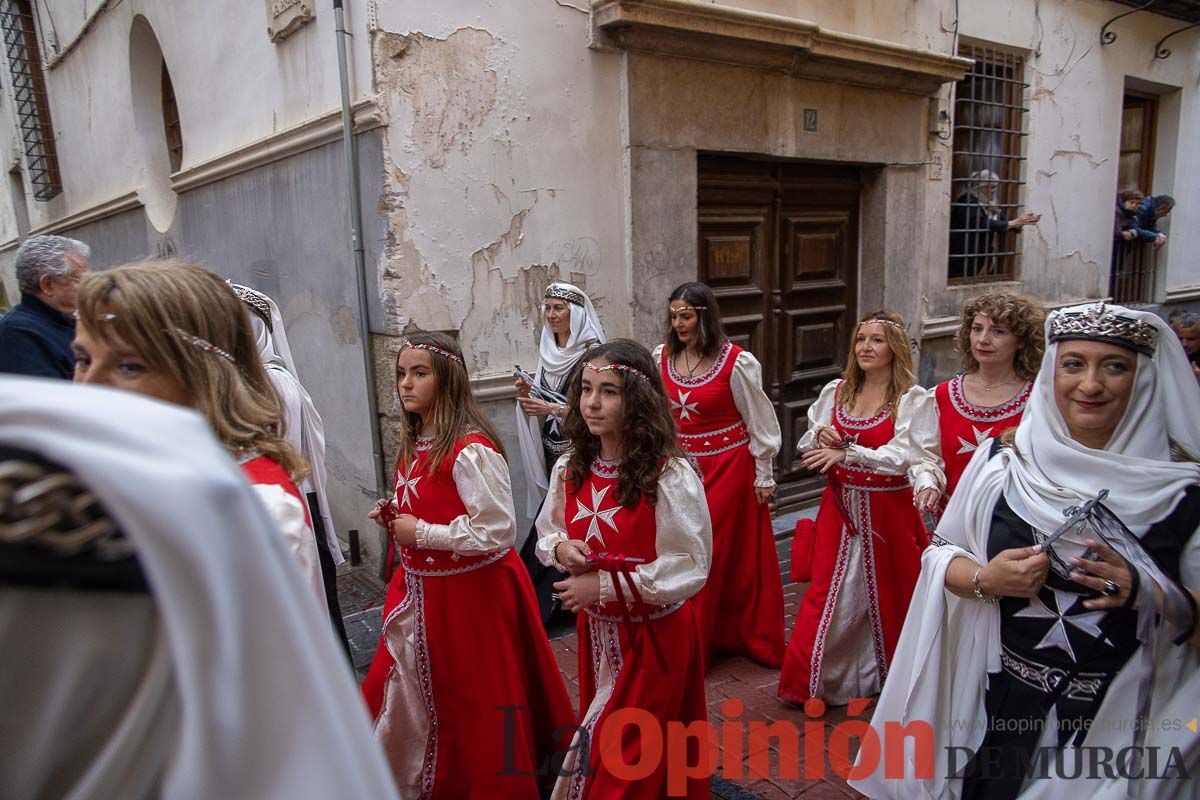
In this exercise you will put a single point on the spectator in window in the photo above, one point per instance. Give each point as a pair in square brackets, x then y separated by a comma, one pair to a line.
[975, 221]
[1125, 221]
[35, 337]
[1148, 213]
[1186, 325]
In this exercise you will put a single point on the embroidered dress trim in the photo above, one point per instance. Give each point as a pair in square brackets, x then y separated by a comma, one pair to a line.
[706, 376]
[863, 479]
[987, 413]
[835, 586]
[868, 538]
[424, 443]
[416, 588]
[715, 442]
[605, 469]
[605, 639]
[440, 573]
[1084, 686]
[848, 420]
[658, 613]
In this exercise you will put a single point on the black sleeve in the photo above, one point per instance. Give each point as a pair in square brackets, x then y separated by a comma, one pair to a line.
[1166, 538]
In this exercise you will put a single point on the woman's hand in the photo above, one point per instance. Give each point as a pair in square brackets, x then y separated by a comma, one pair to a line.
[1096, 575]
[534, 407]
[579, 591]
[572, 555]
[1017, 572]
[927, 500]
[523, 387]
[377, 512]
[404, 530]
[763, 494]
[823, 459]
[829, 437]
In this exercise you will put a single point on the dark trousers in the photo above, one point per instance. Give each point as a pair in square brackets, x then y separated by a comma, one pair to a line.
[328, 575]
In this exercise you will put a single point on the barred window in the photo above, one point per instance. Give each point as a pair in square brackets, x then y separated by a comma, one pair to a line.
[29, 97]
[986, 175]
[171, 121]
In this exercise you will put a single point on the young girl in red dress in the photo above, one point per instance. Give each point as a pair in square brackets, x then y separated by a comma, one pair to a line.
[728, 425]
[1001, 341]
[625, 492]
[466, 694]
[873, 432]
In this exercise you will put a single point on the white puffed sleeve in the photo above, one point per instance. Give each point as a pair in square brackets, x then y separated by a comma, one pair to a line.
[292, 522]
[683, 541]
[759, 415]
[657, 355]
[551, 523]
[490, 524]
[913, 449]
[820, 414]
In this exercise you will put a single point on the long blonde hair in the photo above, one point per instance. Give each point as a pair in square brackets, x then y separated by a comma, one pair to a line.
[903, 375]
[455, 411]
[154, 307]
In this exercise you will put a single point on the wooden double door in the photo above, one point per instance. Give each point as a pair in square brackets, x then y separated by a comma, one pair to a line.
[778, 243]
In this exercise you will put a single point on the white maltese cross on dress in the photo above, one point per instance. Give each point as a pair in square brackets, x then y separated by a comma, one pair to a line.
[685, 408]
[981, 436]
[408, 484]
[595, 515]
[1057, 635]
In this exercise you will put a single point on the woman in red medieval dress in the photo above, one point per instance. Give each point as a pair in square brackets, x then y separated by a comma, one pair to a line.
[874, 434]
[1001, 342]
[466, 694]
[624, 500]
[728, 425]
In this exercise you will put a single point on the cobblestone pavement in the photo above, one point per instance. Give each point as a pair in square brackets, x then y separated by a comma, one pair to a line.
[731, 684]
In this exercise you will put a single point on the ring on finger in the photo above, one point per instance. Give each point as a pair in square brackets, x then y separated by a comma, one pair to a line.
[1111, 588]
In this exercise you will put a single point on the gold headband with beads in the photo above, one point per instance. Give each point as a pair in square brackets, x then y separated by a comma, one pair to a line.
[433, 349]
[617, 367]
[190, 338]
[687, 308]
[896, 325]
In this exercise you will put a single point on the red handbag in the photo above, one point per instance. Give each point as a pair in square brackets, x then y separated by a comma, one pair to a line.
[804, 543]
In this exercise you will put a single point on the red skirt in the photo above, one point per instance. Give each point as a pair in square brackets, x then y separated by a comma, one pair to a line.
[607, 649]
[499, 707]
[740, 607]
[877, 559]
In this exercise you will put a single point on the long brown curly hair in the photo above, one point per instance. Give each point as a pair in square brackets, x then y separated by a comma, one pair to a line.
[152, 306]
[455, 412]
[1021, 314]
[648, 431]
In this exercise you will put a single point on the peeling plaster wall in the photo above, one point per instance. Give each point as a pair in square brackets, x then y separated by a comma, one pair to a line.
[502, 173]
[1074, 122]
[916, 24]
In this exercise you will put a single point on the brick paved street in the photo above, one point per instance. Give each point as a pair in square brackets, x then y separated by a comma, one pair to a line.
[730, 679]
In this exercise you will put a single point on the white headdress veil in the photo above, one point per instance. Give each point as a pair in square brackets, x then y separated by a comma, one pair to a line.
[555, 364]
[305, 430]
[263, 703]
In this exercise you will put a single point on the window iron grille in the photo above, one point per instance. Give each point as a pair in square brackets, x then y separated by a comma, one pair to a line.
[987, 169]
[29, 97]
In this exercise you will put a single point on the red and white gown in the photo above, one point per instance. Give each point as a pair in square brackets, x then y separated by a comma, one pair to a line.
[728, 425]
[965, 426]
[867, 553]
[462, 641]
[617, 666]
[287, 507]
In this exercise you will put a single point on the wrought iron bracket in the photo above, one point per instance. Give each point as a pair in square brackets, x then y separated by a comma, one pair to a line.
[1107, 36]
[1164, 52]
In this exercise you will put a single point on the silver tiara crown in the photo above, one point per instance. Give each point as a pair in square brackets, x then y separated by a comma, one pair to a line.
[256, 301]
[561, 293]
[1100, 323]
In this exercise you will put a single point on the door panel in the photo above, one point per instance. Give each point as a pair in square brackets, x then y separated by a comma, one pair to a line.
[778, 243]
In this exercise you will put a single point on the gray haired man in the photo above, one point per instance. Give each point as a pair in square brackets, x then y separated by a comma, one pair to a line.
[35, 337]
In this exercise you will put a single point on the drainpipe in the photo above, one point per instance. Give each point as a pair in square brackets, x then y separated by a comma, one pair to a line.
[356, 244]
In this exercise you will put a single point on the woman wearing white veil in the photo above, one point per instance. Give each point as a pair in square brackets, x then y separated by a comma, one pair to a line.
[1038, 661]
[571, 327]
[304, 431]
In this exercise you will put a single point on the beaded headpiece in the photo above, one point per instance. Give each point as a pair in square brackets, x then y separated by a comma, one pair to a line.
[895, 325]
[1099, 323]
[687, 308]
[256, 301]
[562, 293]
[203, 344]
[618, 368]
[457, 359]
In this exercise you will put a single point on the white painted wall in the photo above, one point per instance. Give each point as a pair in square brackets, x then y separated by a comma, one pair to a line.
[504, 159]
[1074, 126]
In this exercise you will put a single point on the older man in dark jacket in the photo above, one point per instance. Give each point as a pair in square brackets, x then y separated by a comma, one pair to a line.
[36, 336]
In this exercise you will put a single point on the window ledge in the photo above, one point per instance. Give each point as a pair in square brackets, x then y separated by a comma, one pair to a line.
[690, 29]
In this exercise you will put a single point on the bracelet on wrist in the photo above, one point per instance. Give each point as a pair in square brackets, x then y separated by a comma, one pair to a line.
[979, 592]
